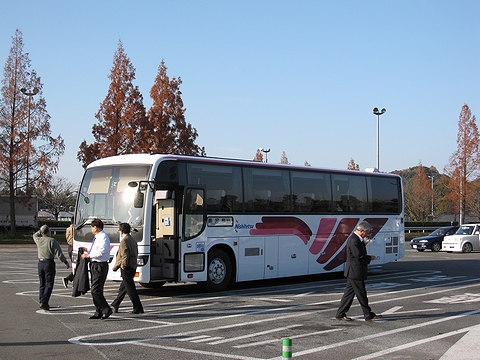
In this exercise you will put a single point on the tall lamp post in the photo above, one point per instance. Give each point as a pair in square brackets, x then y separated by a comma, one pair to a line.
[378, 113]
[266, 151]
[29, 94]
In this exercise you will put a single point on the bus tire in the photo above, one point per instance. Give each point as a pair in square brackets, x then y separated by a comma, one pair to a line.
[219, 271]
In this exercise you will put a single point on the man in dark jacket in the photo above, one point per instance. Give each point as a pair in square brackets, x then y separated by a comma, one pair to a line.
[126, 261]
[356, 268]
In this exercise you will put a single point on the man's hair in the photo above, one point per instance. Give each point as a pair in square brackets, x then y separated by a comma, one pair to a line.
[44, 229]
[364, 226]
[98, 223]
[124, 228]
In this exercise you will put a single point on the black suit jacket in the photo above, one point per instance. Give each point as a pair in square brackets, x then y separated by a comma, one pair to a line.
[81, 283]
[356, 266]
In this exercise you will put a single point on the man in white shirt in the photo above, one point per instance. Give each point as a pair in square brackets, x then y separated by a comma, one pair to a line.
[99, 255]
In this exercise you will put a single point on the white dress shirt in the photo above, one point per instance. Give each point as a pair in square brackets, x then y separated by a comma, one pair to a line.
[100, 250]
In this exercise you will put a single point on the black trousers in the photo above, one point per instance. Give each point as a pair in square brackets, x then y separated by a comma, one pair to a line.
[128, 287]
[46, 275]
[98, 272]
[354, 288]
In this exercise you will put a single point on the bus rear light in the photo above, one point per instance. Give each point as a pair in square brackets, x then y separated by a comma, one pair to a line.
[194, 262]
[142, 260]
[137, 274]
[190, 276]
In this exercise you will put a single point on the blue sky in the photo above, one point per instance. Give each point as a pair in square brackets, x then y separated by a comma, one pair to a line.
[294, 76]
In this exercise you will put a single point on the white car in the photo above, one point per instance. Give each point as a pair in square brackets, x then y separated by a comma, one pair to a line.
[466, 239]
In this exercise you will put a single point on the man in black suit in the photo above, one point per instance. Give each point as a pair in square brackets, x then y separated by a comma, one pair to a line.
[356, 268]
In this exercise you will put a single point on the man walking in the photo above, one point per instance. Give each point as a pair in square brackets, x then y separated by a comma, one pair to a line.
[356, 268]
[127, 263]
[99, 254]
[47, 248]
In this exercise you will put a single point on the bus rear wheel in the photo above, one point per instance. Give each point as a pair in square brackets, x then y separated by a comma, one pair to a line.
[219, 271]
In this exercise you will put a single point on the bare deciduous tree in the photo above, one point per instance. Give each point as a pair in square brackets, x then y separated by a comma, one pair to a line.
[57, 195]
[29, 154]
[352, 165]
[418, 195]
[121, 117]
[284, 159]
[258, 156]
[168, 131]
[464, 163]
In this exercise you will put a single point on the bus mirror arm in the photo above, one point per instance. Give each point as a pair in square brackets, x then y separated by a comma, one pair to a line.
[139, 199]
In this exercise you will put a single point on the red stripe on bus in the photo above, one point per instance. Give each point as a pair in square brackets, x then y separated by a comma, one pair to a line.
[377, 224]
[283, 225]
[342, 232]
[324, 231]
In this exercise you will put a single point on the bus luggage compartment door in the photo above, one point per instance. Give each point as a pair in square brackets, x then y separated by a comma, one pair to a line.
[165, 218]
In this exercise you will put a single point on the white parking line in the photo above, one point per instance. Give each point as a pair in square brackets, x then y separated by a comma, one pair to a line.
[385, 333]
[254, 334]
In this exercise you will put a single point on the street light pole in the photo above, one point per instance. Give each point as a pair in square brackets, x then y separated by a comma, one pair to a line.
[29, 94]
[378, 113]
[266, 151]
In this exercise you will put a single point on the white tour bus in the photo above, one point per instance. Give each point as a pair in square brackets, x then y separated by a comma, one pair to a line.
[214, 221]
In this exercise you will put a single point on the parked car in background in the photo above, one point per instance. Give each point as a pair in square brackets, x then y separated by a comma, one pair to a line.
[466, 239]
[434, 240]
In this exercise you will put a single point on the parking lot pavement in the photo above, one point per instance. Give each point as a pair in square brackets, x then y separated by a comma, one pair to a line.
[429, 302]
[25, 330]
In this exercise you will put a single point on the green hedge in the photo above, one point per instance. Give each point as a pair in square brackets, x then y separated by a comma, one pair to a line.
[54, 223]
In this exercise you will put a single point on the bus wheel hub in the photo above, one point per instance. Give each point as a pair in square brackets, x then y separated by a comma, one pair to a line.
[216, 271]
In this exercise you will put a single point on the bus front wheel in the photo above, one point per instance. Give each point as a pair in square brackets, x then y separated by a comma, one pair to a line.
[219, 271]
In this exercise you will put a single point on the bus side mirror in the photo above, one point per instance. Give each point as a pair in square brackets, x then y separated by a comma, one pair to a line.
[138, 200]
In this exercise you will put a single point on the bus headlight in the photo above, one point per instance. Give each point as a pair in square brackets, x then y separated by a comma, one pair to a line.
[194, 262]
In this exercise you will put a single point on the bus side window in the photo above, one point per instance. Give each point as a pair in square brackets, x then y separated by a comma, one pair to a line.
[261, 200]
[194, 212]
[215, 200]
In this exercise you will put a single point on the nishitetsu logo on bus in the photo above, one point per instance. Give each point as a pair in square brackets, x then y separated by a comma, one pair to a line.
[330, 236]
[239, 226]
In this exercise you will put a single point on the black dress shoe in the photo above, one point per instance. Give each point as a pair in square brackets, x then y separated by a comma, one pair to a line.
[44, 306]
[115, 309]
[96, 316]
[137, 312]
[374, 317]
[107, 315]
[344, 318]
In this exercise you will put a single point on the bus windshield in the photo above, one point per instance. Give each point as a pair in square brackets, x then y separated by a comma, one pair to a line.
[105, 194]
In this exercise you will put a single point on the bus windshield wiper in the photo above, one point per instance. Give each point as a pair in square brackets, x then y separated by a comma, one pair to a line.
[82, 224]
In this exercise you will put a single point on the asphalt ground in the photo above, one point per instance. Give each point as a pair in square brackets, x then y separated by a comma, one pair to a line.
[430, 302]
